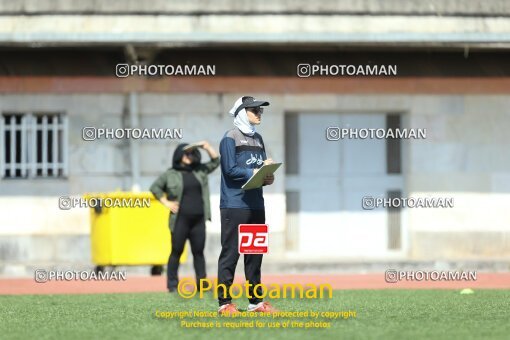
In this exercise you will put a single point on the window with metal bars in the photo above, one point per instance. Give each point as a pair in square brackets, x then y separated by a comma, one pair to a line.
[33, 145]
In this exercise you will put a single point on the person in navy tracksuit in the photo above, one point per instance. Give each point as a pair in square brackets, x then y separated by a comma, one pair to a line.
[242, 153]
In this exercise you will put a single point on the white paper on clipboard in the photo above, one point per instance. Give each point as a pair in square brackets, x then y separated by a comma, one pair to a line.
[257, 180]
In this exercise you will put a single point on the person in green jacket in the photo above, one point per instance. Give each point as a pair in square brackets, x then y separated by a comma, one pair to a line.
[184, 190]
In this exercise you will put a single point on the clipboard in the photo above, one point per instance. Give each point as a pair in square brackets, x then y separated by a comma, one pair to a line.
[257, 180]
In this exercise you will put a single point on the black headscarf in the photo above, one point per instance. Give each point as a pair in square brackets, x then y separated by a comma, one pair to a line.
[179, 152]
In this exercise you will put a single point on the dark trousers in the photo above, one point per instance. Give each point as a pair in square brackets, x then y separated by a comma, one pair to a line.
[230, 220]
[190, 227]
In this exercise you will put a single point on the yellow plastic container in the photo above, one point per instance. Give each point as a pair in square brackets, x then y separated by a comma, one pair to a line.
[129, 229]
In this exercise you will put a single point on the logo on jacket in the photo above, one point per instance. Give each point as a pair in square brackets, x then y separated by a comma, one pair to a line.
[254, 159]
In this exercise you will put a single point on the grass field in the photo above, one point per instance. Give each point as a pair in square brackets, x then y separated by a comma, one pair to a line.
[381, 314]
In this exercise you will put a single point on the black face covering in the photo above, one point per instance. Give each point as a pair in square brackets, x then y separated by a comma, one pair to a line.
[178, 153]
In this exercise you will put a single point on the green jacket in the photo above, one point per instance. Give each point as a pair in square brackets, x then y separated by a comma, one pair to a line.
[170, 184]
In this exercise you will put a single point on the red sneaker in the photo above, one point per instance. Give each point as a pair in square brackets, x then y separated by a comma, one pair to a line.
[263, 306]
[228, 309]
